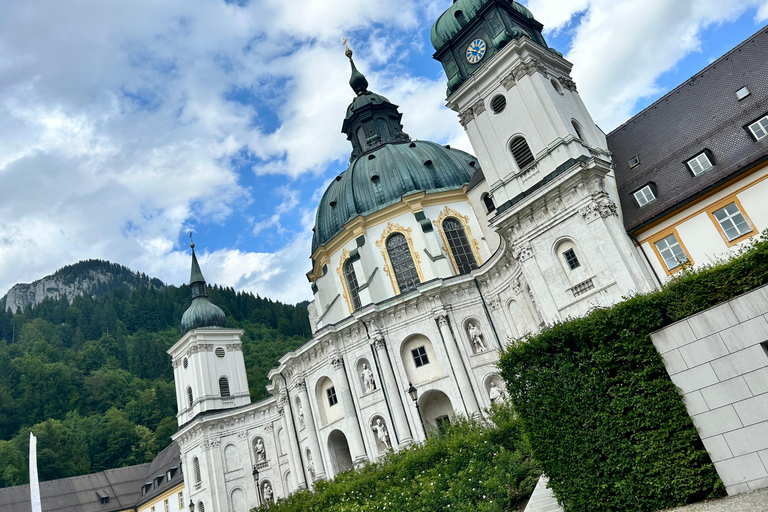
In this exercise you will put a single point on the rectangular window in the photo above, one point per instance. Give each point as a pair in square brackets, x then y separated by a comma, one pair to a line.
[671, 251]
[152, 509]
[181, 500]
[420, 356]
[759, 128]
[332, 400]
[742, 93]
[699, 164]
[634, 161]
[644, 196]
[571, 259]
[166, 506]
[732, 221]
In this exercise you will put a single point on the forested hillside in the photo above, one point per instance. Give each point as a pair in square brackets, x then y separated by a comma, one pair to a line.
[93, 381]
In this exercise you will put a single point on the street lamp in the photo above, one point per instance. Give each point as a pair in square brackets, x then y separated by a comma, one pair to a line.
[191, 506]
[414, 394]
[255, 473]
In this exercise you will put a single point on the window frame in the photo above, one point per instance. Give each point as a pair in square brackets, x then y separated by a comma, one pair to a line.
[660, 236]
[706, 154]
[570, 261]
[331, 395]
[530, 154]
[749, 125]
[445, 214]
[641, 189]
[224, 380]
[722, 204]
[348, 296]
[389, 269]
[420, 356]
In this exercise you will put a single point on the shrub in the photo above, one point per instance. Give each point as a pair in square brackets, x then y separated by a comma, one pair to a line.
[473, 466]
[605, 421]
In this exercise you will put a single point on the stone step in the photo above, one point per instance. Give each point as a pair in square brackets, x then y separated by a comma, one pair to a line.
[542, 499]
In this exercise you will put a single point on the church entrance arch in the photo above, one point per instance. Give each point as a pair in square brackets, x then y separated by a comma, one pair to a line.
[436, 409]
[338, 448]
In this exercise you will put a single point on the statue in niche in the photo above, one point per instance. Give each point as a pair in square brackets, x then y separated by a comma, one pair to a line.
[368, 380]
[310, 465]
[301, 415]
[495, 394]
[268, 495]
[261, 452]
[382, 433]
[476, 335]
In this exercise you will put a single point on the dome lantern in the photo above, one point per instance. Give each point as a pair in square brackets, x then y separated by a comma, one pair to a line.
[201, 314]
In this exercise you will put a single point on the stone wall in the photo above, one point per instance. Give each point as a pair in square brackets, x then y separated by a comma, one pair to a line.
[719, 360]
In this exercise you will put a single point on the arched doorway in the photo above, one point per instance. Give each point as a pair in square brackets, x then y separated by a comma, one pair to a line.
[436, 409]
[338, 447]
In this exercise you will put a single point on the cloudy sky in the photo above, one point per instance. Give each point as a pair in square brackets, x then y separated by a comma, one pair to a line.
[126, 124]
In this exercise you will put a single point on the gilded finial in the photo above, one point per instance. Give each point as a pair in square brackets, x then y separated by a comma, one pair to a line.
[348, 52]
[191, 243]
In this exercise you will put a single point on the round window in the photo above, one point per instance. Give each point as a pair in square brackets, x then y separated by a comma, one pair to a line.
[557, 86]
[498, 104]
[185, 362]
[220, 352]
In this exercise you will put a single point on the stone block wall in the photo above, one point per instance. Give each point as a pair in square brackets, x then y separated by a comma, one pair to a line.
[719, 360]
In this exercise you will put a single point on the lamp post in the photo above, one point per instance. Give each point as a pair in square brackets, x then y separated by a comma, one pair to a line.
[255, 473]
[191, 506]
[414, 394]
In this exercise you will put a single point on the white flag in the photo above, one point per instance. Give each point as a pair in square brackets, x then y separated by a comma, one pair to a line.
[34, 485]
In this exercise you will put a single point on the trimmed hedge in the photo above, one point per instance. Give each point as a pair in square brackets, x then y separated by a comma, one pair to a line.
[472, 467]
[605, 421]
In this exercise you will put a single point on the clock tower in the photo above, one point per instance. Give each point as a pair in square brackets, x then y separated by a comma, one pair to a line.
[546, 184]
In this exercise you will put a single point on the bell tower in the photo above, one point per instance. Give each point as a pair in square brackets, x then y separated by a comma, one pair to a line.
[208, 364]
[545, 163]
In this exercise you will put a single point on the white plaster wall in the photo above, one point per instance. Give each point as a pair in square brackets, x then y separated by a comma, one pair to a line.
[719, 361]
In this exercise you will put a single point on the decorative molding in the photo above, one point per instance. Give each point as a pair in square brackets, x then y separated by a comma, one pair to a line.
[508, 81]
[379, 343]
[600, 207]
[567, 83]
[242, 435]
[465, 117]
[522, 252]
[344, 286]
[382, 245]
[464, 219]
[337, 361]
[478, 107]
[268, 427]
[301, 385]
[442, 319]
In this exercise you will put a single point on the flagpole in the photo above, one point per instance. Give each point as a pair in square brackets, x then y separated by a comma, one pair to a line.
[34, 484]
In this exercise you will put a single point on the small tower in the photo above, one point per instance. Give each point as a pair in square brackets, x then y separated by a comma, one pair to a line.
[208, 364]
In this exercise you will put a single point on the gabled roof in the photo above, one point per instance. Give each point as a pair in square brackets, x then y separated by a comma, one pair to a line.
[701, 114]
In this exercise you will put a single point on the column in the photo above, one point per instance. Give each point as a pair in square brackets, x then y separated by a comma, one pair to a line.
[293, 448]
[309, 424]
[394, 392]
[465, 387]
[354, 436]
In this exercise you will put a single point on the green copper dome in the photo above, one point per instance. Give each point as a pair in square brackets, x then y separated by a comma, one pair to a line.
[201, 314]
[458, 15]
[380, 178]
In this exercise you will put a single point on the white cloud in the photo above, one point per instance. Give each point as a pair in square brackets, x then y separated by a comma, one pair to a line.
[619, 49]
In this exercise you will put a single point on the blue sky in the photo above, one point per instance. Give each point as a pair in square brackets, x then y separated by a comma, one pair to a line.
[124, 125]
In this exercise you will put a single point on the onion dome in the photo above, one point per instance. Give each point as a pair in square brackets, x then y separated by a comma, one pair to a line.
[381, 178]
[201, 314]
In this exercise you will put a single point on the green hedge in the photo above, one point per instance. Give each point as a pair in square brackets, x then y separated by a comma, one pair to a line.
[605, 421]
[472, 467]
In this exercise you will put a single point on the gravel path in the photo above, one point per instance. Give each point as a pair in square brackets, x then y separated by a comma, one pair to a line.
[755, 501]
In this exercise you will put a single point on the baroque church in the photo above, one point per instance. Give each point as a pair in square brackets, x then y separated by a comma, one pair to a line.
[426, 261]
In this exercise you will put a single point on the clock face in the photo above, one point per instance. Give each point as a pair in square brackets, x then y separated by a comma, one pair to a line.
[476, 51]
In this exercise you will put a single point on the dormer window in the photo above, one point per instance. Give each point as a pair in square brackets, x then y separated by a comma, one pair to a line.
[634, 161]
[700, 163]
[742, 93]
[759, 129]
[644, 196]
[103, 497]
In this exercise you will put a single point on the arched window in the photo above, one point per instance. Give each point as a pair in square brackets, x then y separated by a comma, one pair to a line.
[361, 137]
[381, 126]
[223, 387]
[462, 253]
[189, 395]
[488, 200]
[521, 152]
[352, 286]
[402, 262]
[577, 128]
[200, 507]
[196, 466]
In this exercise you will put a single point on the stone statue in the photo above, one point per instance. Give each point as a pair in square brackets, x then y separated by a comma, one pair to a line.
[301, 415]
[267, 492]
[476, 335]
[261, 452]
[382, 433]
[495, 394]
[310, 465]
[368, 380]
